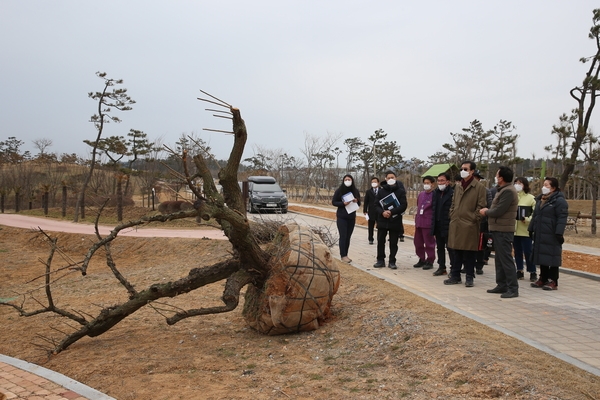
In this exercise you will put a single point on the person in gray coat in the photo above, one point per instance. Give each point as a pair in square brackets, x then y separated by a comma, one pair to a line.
[547, 228]
[501, 219]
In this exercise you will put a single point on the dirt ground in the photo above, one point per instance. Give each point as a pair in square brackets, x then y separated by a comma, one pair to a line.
[381, 343]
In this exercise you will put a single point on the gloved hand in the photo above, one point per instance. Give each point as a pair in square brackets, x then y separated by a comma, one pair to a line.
[560, 239]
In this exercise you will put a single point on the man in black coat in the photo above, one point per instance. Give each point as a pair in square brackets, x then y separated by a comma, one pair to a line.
[389, 218]
[369, 206]
[442, 200]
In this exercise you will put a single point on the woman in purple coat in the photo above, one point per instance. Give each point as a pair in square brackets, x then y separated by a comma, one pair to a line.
[424, 241]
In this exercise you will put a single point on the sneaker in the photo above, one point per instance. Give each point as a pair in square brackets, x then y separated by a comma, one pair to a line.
[401, 238]
[509, 295]
[440, 271]
[419, 264]
[532, 277]
[497, 289]
[469, 281]
[538, 284]
[479, 271]
[452, 281]
[379, 264]
[370, 242]
[551, 285]
[392, 265]
[428, 265]
[520, 275]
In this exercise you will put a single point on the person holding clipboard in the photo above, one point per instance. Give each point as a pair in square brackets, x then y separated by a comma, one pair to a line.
[390, 206]
[522, 244]
[347, 200]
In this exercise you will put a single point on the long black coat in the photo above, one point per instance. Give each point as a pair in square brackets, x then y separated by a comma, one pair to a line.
[369, 203]
[395, 222]
[548, 220]
[442, 200]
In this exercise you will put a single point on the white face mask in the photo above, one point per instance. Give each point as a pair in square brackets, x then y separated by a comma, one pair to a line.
[464, 174]
[545, 190]
[442, 187]
[348, 183]
[427, 186]
[374, 184]
[518, 187]
[391, 182]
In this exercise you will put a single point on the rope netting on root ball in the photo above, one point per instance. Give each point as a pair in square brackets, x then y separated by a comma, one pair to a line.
[297, 295]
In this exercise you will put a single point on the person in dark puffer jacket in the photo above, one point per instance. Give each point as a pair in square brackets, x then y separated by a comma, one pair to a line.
[547, 228]
[440, 222]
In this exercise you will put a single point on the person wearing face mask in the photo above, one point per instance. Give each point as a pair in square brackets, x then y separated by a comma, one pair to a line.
[424, 241]
[440, 221]
[346, 194]
[390, 206]
[547, 228]
[501, 216]
[463, 236]
[483, 254]
[369, 207]
[522, 244]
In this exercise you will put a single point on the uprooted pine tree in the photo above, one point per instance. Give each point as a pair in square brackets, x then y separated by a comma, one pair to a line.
[290, 280]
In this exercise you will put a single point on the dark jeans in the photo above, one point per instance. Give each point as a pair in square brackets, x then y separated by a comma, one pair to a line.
[522, 246]
[372, 222]
[345, 229]
[466, 258]
[393, 237]
[441, 244]
[506, 272]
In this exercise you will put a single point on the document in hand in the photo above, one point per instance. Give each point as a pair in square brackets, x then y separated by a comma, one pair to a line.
[389, 202]
[524, 212]
[352, 206]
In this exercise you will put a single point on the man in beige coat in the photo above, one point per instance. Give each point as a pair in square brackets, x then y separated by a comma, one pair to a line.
[463, 236]
[501, 218]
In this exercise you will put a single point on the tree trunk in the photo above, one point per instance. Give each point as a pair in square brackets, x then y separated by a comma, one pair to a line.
[119, 198]
[64, 201]
[45, 200]
[594, 204]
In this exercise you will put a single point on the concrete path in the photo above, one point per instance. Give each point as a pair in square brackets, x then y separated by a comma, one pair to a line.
[564, 323]
[52, 225]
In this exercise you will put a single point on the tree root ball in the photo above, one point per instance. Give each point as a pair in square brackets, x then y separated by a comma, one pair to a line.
[298, 293]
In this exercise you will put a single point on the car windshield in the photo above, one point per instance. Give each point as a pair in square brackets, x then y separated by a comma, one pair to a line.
[266, 187]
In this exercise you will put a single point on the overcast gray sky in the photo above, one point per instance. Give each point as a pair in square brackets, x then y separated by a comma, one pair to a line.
[417, 70]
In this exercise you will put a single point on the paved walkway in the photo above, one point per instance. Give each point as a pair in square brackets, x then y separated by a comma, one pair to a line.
[564, 323]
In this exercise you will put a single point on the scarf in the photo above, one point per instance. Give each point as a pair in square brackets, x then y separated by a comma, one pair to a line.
[466, 182]
[546, 197]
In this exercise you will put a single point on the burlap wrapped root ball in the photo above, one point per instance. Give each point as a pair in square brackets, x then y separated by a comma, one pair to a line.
[297, 296]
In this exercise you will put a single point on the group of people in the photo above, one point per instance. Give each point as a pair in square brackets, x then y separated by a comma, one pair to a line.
[464, 220]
